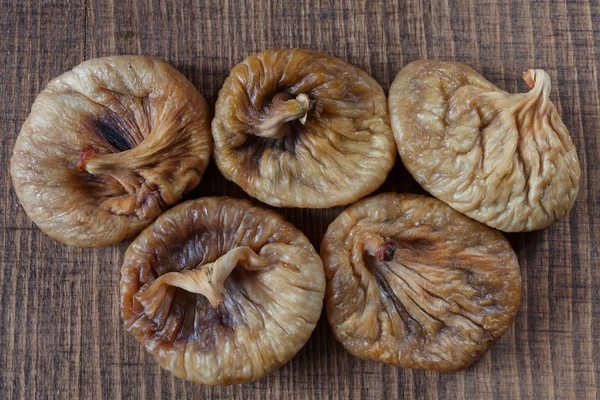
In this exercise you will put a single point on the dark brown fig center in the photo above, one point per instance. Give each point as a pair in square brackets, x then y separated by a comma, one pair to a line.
[119, 132]
[112, 135]
[380, 247]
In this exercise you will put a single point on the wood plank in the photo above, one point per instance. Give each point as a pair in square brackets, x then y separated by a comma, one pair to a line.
[36, 275]
[60, 331]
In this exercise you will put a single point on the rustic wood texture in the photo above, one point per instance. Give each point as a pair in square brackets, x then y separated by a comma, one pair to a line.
[60, 331]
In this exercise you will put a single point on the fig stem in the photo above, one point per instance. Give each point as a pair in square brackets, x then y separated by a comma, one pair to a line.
[84, 156]
[104, 164]
[537, 79]
[529, 78]
[382, 248]
[282, 111]
[538, 97]
[206, 280]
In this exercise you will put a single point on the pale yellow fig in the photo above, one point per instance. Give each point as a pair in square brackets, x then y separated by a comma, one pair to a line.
[504, 159]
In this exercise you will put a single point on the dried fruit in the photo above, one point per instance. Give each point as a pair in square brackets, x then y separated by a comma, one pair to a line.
[503, 159]
[413, 283]
[220, 291]
[108, 146]
[302, 129]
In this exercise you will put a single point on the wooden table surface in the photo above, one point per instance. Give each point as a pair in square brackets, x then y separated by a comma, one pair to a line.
[60, 331]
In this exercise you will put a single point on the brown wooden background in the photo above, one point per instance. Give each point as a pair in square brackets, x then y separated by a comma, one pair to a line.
[60, 332]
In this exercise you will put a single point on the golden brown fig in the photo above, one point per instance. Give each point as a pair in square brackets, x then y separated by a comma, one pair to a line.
[108, 146]
[220, 291]
[413, 283]
[503, 159]
[296, 128]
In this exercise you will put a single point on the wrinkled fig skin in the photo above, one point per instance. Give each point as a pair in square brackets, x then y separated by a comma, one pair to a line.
[221, 292]
[504, 159]
[296, 128]
[108, 146]
[413, 283]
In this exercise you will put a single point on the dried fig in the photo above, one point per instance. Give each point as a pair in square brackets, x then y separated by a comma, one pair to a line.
[220, 291]
[108, 146]
[296, 128]
[413, 283]
[504, 159]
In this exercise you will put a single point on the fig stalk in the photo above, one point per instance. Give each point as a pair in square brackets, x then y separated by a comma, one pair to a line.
[281, 111]
[206, 280]
[107, 164]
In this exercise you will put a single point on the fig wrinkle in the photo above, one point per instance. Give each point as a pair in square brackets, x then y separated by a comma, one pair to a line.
[281, 111]
[382, 248]
[206, 280]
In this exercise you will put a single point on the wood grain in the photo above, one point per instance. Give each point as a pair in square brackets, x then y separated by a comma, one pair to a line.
[60, 332]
